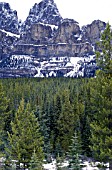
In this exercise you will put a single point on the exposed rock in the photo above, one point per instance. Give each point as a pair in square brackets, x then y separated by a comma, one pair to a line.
[38, 34]
[7, 41]
[57, 50]
[67, 32]
[46, 12]
[8, 18]
[48, 45]
[92, 32]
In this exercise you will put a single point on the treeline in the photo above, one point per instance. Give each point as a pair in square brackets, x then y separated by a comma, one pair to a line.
[39, 116]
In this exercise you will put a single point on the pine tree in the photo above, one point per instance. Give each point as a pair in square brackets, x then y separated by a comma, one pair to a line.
[101, 99]
[25, 136]
[74, 154]
[104, 56]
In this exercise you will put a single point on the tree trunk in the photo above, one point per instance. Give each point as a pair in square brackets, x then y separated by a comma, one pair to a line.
[110, 165]
[24, 166]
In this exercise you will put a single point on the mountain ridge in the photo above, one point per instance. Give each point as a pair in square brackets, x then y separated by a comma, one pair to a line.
[47, 45]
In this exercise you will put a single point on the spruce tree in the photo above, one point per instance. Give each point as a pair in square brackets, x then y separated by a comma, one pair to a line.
[55, 117]
[101, 99]
[5, 118]
[104, 56]
[44, 121]
[25, 136]
[74, 154]
[35, 163]
[66, 122]
[85, 118]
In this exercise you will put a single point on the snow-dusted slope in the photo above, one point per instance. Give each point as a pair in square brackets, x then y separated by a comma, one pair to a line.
[45, 12]
[86, 165]
[8, 18]
[54, 66]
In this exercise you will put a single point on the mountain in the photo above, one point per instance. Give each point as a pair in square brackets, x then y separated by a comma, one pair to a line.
[46, 12]
[47, 45]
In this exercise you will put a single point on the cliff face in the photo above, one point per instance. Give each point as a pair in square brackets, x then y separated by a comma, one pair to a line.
[38, 34]
[67, 32]
[45, 12]
[53, 50]
[47, 45]
[92, 32]
[7, 42]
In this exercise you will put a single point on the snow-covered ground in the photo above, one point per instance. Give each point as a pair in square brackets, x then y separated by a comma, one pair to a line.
[69, 66]
[87, 165]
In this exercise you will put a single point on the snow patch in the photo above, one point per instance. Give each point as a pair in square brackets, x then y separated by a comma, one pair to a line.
[52, 26]
[10, 34]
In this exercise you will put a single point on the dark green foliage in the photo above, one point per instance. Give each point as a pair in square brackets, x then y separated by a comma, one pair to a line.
[5, 118]
[35, 163]
[61, 106]
[74, 154]
[104, 58]
[25, 136]
[57, 103]
[101, 99]
[66, 122]
[85, 119]
[55, 139]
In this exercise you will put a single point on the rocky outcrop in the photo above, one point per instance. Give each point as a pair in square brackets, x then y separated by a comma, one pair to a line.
[92, 32]
[53, 50]
[38, 34]
[9, 32]
[8, 18]
[41, 41]
[7, 42]
[67, 32]
[45, 12]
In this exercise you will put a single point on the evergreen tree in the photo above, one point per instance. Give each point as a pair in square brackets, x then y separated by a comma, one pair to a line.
[55, 117]
[44, 121]
[5, 118]
[85, 118]
[104, 56]
[66, 122]
[35, 163]
[74, 154]
[25, 136]
[101, 99]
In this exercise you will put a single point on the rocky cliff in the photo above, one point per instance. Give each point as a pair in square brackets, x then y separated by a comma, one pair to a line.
[46, 12]
[46, 44]
[8, 18]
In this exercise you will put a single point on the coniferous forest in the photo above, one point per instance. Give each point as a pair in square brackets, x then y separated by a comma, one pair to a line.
[64, 118]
